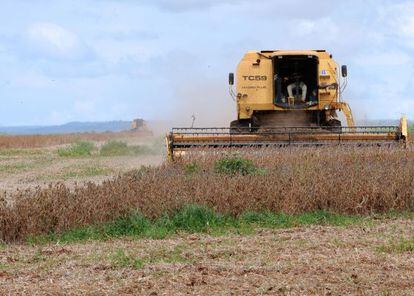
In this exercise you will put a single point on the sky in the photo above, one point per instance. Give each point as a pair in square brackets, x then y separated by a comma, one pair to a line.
[99, 60]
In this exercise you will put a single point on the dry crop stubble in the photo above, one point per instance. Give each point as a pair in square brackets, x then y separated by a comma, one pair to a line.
[37, 141]
[312, 260]
[291, 180]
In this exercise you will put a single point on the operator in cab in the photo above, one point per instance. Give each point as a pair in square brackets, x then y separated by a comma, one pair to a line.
[297, 89]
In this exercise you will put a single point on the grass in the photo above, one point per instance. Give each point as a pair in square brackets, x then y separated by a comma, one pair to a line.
[121, 259]
[76, 172]
[195, 219]
[22, 166]
[282, 220]
[110, 148]
[191, 168]
[38, 256]
[119, 148]
[403, 245]
[84, 172]
[21, 152]
[15, 167]
[236, 165]
[124, 259]
[77, 149]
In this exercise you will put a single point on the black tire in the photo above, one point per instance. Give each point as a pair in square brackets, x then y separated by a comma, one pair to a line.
[239, 127]
[255, 124]
[334, 125]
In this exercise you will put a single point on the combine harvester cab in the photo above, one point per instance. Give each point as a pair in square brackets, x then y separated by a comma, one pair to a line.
[287, 98]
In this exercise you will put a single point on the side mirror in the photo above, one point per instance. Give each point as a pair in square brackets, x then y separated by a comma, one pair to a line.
[231, 78]
[344, 71]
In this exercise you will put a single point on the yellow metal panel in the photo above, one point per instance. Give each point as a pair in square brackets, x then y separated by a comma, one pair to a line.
[404, 127]
[327, 75]
[255, 80]
[255, 84]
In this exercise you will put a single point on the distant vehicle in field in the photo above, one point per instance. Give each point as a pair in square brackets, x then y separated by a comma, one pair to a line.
[138, 124]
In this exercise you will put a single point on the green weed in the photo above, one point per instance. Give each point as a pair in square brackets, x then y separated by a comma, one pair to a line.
[84, 172]
[403, 245]
[236, 165]
[77, 149]
[119, 148]
[191, 168]
[15, 167]
[38, 256]
[195, 219]
[121, 259]
[21, 151]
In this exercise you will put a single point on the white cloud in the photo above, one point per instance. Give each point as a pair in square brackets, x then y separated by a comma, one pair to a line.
[386, 58]
[400, 19]
[55, 41]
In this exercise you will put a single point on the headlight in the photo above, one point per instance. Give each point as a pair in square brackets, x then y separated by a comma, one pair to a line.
[327, 107]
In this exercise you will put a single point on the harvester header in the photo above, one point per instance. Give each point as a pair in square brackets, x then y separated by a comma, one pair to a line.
[287, 97]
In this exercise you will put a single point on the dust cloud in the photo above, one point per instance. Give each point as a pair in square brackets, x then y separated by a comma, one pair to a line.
[208, 101]
[198, 86]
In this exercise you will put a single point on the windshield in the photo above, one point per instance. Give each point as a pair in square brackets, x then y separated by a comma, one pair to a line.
[295, 81]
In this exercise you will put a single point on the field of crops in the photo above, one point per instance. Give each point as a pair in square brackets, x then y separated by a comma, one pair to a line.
[336, 218]
[341, 180]
[38, 141]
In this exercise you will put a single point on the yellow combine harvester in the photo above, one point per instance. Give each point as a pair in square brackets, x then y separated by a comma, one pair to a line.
[287, 97]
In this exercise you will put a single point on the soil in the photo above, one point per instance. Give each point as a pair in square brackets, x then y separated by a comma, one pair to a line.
[314, 260]
[30, 167]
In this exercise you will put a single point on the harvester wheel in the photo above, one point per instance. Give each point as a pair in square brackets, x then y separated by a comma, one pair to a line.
[334, 125]
[239, 127]
[255, 125]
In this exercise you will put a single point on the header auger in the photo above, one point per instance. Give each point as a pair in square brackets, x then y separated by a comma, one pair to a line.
[287, 98]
